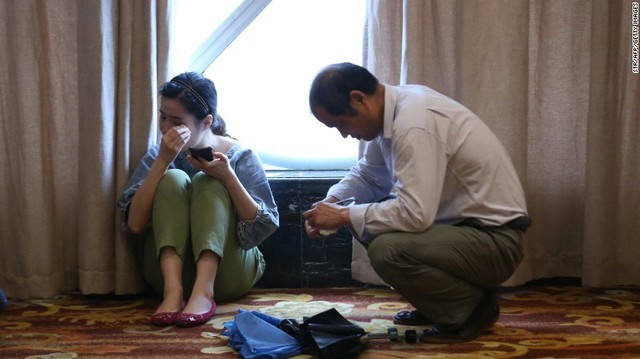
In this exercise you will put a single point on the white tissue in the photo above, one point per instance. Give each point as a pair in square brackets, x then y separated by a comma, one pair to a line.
[326, 232]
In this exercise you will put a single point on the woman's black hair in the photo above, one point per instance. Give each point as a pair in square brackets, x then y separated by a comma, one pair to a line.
[199, 97]
[332, 87]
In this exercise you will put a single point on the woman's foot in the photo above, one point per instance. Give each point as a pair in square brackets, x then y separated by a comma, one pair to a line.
[197, 312]
[172, 301]
[166, 318]
[168, 310]
[201, 305]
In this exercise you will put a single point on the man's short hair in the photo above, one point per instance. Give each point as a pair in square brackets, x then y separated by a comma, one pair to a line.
[333, 84]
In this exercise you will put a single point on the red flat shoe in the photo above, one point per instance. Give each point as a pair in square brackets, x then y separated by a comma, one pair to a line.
[186, 320]
[165, 319]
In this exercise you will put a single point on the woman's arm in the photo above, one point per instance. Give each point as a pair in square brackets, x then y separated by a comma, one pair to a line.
[248, 187]
[246, 207]
[251, 174]
[142, 201]
[220, 168]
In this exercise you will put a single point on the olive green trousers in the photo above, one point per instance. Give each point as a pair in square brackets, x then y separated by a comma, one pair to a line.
[194, 216]
[446, 271]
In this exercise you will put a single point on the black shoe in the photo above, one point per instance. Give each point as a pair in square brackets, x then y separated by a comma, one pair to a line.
[410, 317]
[481, 319]
[4, 302]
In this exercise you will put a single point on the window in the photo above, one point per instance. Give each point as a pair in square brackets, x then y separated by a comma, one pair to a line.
[263, 75]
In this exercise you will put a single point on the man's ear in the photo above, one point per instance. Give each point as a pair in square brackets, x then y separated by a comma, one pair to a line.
[357, 96]
[359, 101]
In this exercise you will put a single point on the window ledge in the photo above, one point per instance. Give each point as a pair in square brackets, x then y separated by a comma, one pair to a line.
[274, 175]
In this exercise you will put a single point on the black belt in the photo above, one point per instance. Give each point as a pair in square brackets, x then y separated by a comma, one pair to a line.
[521, 223]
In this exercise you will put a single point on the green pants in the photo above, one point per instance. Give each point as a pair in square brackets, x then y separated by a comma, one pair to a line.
[192, 216]
[445, 271]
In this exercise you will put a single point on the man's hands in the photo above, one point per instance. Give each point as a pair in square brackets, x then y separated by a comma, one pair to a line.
[325, 216]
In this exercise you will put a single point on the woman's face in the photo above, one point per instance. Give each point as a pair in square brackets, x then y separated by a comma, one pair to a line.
[173, 114]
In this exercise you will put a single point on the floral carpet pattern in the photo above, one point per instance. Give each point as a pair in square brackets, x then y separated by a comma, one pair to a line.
[535, 322]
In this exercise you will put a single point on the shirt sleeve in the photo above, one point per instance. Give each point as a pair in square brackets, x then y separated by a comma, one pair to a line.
[368, 181]
[251, 174]
[420, 167]
[134, 183]
[419, 163]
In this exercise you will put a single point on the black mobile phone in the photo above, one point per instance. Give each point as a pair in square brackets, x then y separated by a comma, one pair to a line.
[206, 153]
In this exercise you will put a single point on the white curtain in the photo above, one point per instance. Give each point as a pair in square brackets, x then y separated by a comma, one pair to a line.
[554, 81]
[77, 110]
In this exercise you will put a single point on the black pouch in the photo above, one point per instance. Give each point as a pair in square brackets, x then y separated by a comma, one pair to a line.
[327, 335]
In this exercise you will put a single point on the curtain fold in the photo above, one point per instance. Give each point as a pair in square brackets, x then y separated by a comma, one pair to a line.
[612, 211]
[77, 106]
[553, 80]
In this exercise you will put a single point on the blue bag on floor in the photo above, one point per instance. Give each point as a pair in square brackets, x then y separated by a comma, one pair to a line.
[255, 335]
[327, 335]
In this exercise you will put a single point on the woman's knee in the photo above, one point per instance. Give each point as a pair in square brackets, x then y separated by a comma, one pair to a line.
[203, 183]
[174, 182]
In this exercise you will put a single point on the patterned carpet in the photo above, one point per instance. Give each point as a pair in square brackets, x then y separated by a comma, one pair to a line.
[536, 322]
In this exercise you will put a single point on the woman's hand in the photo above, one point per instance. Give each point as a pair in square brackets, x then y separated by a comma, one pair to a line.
[218, 168]
[172, 143]
[142, 202]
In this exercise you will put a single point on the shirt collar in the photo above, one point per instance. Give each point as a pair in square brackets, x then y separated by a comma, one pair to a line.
[390, 99]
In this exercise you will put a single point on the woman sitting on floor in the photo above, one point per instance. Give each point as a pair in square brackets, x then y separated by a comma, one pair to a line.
[202, 218]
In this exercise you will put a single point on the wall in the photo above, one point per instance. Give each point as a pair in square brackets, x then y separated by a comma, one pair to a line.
[293, 259]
